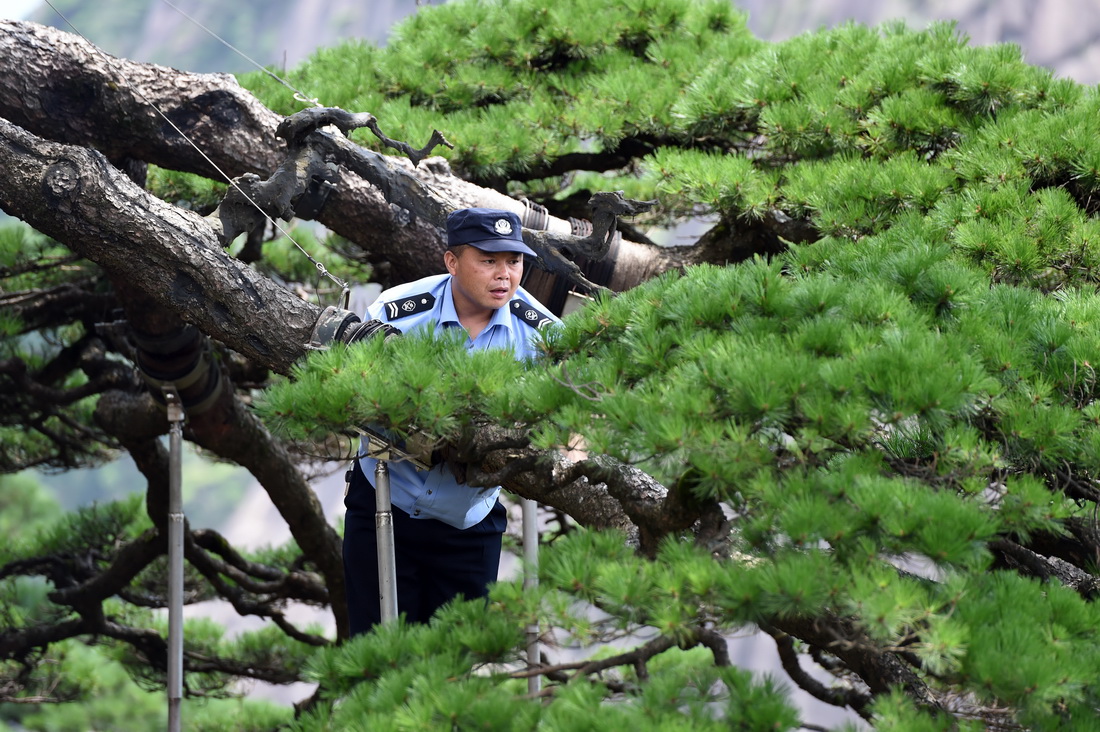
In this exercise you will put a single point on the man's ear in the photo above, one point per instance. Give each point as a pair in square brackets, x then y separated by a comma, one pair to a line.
[450, 259]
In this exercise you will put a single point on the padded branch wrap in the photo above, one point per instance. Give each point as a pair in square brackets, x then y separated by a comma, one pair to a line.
[336, 325]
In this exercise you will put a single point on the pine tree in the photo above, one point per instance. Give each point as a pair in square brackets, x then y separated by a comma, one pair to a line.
[861, 420]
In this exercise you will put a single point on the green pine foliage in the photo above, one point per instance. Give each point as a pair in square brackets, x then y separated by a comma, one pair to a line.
[111, 688]
[517, 87]
[877, 407]
[30, 261]
[88, 539]
[111, 700]
[455, 674]
[186, 190]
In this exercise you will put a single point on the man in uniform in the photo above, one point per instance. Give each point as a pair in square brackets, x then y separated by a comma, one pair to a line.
[447, 535]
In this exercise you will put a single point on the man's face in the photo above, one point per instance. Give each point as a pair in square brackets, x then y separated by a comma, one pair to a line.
[484, 280]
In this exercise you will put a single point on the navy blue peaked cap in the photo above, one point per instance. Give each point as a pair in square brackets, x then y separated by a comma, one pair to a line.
[488, 229]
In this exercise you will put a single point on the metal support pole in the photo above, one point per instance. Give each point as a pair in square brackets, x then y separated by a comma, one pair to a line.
[383, 524]
[531, 580]
[175, 559]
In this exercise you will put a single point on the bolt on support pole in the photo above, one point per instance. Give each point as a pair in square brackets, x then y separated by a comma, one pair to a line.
[175, 559]
[530, 580]
[383, 524]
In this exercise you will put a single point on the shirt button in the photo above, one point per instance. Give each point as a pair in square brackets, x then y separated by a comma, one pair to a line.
[429, 493]
[416, 513]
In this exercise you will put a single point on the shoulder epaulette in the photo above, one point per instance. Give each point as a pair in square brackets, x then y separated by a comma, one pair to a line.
[410, 305]
[528, 314]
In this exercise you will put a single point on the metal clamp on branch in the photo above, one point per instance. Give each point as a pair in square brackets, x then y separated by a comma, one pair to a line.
[591, 240]
[380, 446]
[180, 360]
[336, 325]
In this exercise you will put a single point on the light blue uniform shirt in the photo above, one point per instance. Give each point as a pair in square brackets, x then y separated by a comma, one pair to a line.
[412, 307]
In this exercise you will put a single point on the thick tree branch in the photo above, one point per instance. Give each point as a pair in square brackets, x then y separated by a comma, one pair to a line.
[1036, 565]
[267, 605]
[881, 669]
[638, 658]
[18, 643]
[33, 400]
[296, 128]
[312, 148]
[172, 255]
[834, 695]
[131, 559]
[15, 370]
[282, 584]
[62, 87]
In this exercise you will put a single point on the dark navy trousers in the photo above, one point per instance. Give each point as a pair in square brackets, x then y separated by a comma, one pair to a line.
[435, 561]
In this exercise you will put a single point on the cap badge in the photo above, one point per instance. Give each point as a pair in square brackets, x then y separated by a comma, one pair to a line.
[503, 227]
